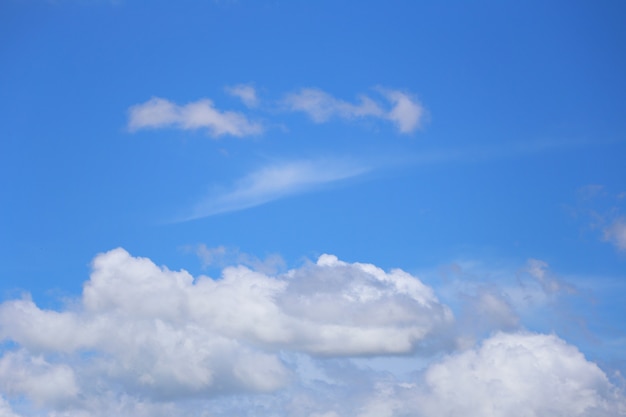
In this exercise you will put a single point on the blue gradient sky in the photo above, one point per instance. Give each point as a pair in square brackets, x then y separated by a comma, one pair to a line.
[519, 153]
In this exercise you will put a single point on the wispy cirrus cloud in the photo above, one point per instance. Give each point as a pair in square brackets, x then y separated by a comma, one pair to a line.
[406, 113]
[277, 181]
[161, 113]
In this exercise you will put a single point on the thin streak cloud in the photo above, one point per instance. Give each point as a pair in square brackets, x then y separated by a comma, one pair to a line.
[274, 182]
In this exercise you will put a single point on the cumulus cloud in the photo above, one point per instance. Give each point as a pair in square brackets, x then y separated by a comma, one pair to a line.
[143, 340]
[45, 383]
[519, 374]
[276, 181]
[405, 112]
[154, 334]
[515, 374]
[202, 114]
[246, 93]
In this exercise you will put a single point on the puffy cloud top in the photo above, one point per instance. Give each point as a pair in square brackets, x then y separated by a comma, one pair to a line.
[520, 374]
[164, 334]
[142, 340]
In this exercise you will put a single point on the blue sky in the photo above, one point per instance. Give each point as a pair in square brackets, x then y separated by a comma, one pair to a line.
[478, 147]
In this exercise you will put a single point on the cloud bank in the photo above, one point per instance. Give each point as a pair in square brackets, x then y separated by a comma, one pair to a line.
[276, 181]
[143, 340]
[160, 334]
[509, 375]
[202, 114]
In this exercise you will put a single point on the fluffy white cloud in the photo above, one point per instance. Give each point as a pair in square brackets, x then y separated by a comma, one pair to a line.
[151, 333]
[146, 341]
[405, 112]
[276, 181]
[519, 374]
[44, 383]
[358, 309]
[245, 93]
[159, 113]
[400, 108]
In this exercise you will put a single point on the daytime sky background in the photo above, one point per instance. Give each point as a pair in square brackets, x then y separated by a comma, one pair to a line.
[312, 208]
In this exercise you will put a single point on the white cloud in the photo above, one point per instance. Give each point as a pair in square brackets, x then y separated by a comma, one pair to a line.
[246, 93]
[616, 233]
[358, 309]
[274, 182]
[159, 113]
[519, 374]
[405, 112]
[44, 383]
[153, 334]
[146, 341]
[400, 108]
[321, 106]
